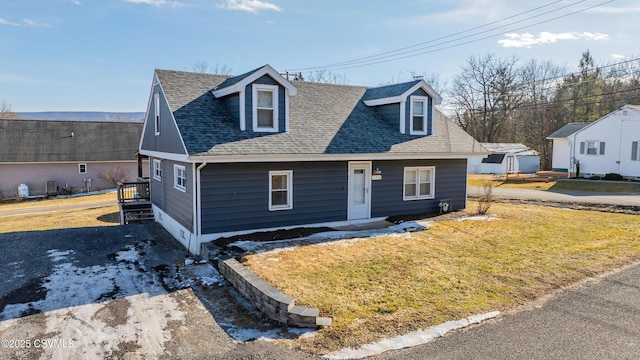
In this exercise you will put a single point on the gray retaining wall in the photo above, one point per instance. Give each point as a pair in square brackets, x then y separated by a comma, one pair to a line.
[276, 305]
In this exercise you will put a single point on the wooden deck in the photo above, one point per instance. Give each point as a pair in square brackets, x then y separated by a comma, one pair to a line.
[135, 202]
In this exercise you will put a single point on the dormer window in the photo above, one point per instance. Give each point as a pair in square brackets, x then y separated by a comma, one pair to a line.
[418, 115]
[265, 108]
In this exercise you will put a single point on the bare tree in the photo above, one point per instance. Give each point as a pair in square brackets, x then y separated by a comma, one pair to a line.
[5, 110]
[538, 117]
[202, 67]
[325, 76]
[485, 95]
[114, 175]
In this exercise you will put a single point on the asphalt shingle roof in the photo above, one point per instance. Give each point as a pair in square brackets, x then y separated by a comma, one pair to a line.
[51, 140]
[567, 130]
[324, 119]
[388, 90]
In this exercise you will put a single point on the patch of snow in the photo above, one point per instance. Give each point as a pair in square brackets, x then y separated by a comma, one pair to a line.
[57, 255]
[348, 237]
[75, 303]
[415, 338]
[270, 334]
[130, 255]
[479, 218]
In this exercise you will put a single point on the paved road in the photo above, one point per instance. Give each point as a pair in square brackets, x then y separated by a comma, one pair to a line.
[562, 196]
[599, 319]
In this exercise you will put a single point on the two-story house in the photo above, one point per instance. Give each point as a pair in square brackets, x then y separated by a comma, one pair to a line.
[256, 152]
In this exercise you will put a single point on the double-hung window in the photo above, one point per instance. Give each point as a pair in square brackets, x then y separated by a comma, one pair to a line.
[280, 190]
[635, 151]
[418, 115]
[265, 108]
[592, 147]
[82, 168]
[419, 183]
[157, 169]
[180, 177]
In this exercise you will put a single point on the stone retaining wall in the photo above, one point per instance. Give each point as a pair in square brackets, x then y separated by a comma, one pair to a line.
[276, 305]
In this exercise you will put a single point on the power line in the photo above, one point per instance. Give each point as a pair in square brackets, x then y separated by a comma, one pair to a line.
[377, 59]
[426, 42]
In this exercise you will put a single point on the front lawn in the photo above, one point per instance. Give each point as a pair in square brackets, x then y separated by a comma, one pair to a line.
[385, 286]
[624, 187]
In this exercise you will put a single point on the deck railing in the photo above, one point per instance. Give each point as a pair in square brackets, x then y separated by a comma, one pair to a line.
[133, 191]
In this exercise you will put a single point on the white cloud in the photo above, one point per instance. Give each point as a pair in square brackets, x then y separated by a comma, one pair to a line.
[25, 22]
[30, 22]
[252, 6]
[7, 22]
[618, 56]
[528, 40]
[156, 2]
[615, 10]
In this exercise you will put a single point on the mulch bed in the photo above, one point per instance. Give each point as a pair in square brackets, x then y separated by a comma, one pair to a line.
[287, 234]
[281, 234]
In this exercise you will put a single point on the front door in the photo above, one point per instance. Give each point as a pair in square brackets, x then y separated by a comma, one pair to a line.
[359, 190]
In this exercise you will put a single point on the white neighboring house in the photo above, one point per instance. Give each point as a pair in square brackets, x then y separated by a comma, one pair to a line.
[607, 145]
[505, 158]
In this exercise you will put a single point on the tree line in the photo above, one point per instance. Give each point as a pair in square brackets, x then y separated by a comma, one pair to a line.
[508, 100]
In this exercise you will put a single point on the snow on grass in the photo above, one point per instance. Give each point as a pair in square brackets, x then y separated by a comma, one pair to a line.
[415, 338]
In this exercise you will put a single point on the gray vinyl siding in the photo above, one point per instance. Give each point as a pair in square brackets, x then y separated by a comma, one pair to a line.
[233, 103]
[236, 196]
[391, 113]
[387, 194]
[156, 186]
[267, 80]
[176, 203]
[169, 140]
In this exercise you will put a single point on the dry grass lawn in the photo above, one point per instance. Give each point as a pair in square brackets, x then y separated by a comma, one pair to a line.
[101, 216]
[385, 286]
[577, 185]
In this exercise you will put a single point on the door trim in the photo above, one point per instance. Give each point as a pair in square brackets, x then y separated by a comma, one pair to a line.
[367, 184]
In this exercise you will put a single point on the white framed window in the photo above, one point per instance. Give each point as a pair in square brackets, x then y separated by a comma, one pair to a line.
[635, 151]
[180, 177]
[265, 108]
[418, 115]
[419, 183]
[592, 147]
[82, 168]
[157, 169]
[280, 190]
[156, 113]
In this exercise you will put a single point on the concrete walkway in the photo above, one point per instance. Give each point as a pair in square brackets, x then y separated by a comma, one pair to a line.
[561, 196]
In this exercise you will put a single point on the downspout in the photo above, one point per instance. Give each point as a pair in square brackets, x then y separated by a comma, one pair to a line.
[570, 159]
[198, 203]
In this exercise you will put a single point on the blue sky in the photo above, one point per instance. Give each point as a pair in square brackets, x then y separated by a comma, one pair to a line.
[99, 55]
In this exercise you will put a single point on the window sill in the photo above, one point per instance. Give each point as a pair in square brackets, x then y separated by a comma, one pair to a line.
[419, 198]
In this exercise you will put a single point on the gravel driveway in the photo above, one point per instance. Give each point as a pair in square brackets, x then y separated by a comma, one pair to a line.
[122, 292]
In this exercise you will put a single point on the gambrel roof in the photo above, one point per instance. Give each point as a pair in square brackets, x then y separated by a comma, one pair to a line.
[324, 119]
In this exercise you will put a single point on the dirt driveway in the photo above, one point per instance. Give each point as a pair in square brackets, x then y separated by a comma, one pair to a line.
[122, 292]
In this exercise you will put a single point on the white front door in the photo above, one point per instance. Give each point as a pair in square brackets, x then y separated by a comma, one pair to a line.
[359, 190]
